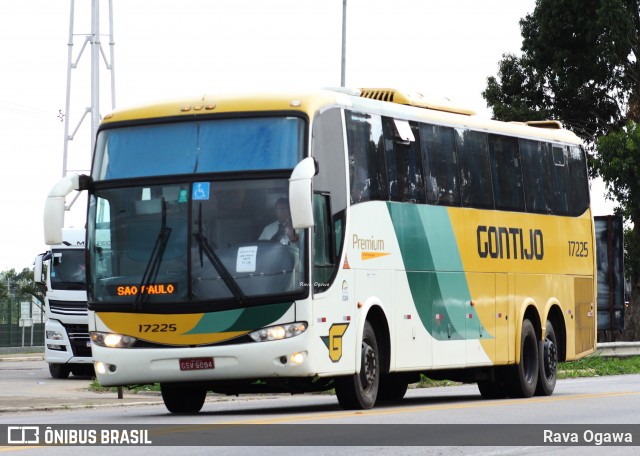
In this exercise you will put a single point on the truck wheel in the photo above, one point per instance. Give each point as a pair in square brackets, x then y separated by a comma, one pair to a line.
[359, 391]
[83, 370]
[548, 369]
[524, 376]
[58, 370]
[183, 397]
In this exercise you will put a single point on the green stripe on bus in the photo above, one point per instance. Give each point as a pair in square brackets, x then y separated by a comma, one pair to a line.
[245, 319]
[428, 244]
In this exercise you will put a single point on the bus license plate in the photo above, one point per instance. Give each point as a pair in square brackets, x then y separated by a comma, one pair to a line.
[187, 364]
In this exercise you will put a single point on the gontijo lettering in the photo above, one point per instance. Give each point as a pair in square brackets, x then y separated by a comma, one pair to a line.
[509, 243]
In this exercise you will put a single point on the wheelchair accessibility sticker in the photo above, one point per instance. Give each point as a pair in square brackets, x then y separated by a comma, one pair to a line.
[200, 191]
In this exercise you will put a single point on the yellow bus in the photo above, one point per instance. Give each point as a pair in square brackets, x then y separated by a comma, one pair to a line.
[347, 239]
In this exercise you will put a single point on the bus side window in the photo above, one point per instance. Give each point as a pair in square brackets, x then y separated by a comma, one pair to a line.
[440, 165]
[538, 184]
[404, 161]
[475, 172]
[560, 180]
[506, 173]
[579, 180]
[367, 168]
[323, 258]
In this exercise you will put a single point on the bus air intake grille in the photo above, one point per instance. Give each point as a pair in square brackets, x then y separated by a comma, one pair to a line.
[378, 94]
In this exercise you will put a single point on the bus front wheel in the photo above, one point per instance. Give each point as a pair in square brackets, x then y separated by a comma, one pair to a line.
[360, 391]
[524, 376]
[183, 398]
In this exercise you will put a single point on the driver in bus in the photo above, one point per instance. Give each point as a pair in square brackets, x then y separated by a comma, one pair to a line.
[281, 230]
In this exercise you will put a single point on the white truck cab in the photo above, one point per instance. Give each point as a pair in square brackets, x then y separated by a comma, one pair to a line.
[67, 347]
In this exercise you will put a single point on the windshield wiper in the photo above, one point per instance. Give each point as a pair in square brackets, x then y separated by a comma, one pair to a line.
[214, 259]
[155, 259]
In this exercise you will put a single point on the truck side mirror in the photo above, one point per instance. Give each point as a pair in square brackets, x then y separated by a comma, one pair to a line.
[300, 193]
[37, 269]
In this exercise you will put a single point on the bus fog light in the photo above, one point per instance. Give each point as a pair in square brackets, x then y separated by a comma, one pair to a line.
[298, 358]
[100, 367]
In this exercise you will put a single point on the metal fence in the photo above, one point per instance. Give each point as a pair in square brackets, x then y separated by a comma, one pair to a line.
[21, 324]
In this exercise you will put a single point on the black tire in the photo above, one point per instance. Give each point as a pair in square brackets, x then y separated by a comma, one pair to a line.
[524, 376]
[183, 398]
[392, 387]
[548, 369]
[83, 370]
[360, 391]
[494, 388]
[58, 370]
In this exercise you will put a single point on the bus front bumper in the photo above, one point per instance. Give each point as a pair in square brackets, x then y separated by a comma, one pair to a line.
[281, 358]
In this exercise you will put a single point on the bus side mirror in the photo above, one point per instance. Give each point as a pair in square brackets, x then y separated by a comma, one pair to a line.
[37, 269]
[55, 206]
[300, 193]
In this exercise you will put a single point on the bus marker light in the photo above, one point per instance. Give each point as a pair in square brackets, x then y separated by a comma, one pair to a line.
[346, 318]
[322, 320]
[438, 316]
[472, 302]
[359, 305]
[407, 317]
[295, 103]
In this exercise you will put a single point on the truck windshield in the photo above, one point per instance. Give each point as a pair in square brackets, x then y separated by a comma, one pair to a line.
[68, 269]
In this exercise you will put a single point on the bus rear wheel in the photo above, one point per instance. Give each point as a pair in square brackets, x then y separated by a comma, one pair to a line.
[360, 391]
[524, 376]
[548, 369]
[182, 397]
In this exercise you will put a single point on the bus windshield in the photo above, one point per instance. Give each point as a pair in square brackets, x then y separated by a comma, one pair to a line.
[226, 145]
[214, 240]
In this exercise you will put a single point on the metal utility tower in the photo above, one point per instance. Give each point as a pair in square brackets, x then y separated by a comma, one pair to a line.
[93, 40]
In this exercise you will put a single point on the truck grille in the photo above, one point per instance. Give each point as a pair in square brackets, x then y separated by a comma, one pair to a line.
[79, 339]
[68, 307]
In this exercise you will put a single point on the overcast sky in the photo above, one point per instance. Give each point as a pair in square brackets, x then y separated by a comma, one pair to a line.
[165, 49]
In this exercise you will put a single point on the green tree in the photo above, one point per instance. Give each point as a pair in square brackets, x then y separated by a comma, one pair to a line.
[19, 286]
[580, 64]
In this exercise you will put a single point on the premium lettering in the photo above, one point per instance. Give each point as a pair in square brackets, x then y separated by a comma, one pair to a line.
[367, 244]
[508, 243]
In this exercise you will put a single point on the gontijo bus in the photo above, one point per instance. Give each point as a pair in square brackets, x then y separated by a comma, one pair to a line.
[426, 240]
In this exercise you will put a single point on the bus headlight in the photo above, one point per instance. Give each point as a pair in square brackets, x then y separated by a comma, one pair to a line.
[279, 332]
[112, 340]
